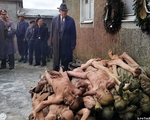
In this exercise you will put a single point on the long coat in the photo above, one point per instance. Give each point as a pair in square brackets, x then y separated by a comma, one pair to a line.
[10, 37]
[41, 36]
[63, 50]
[3, 32]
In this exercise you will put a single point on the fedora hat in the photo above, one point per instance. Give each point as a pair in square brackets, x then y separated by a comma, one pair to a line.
[63, 6]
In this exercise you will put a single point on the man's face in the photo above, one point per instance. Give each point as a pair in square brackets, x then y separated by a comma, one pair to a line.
[4, 16]
[33, 24]
[40, 22]
[21, 18]
[63, 13]
[7, 19]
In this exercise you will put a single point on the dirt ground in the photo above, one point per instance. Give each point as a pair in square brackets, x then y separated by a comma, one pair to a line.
[15, 100]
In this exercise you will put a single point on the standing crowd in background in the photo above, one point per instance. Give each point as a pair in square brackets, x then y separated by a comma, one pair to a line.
[35, 40]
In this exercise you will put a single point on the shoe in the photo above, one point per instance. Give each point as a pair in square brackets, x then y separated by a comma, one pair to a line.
[10, 68]
[43, 64]
[36, 64]
[20, 60]
[30, 63]
[24, 61]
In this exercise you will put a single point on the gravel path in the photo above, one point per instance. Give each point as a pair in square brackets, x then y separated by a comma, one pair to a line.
[15, 100]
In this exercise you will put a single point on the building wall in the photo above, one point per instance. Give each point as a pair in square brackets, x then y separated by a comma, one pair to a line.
[91, 41]
[96, 42]
[11, 8]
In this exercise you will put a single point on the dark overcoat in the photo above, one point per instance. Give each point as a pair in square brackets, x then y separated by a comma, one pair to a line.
[62, 47]
[10, 37]
[20, 33]
[3, 32]
[41, 36]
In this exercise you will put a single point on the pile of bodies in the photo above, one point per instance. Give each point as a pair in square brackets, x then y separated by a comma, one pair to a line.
[112, 89]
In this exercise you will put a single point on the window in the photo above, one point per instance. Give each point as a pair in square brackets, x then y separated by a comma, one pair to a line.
[86, 11]
[128, 10]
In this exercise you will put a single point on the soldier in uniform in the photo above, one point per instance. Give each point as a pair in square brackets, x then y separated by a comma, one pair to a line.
[31, 40]
[21, 41]
[41, 35]
[10, 50]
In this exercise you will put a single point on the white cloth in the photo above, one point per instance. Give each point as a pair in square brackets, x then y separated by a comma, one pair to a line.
[3, 116]
[62, 19]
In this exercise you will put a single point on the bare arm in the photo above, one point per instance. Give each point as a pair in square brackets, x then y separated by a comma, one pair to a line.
[84, 112]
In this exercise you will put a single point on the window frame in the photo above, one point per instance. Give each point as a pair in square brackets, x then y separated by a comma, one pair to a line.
[128, 17]
[86, 11]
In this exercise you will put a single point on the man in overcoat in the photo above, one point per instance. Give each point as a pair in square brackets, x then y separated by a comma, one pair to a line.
[40, 45]
[31, 40]
[21, 41]
[62, 38]
[3, 33]
[10, 50]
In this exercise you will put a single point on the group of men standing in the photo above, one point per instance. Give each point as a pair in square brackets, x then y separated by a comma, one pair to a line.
[35, 38]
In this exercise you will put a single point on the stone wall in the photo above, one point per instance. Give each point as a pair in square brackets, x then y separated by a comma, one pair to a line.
[95, 41]
[12, 8]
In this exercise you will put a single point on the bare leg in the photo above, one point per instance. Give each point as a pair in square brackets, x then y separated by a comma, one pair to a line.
[128, 59]
[88, 63]
[136, 72]
[111, 56]
[53, 99]
[114, 67]
[98, 66]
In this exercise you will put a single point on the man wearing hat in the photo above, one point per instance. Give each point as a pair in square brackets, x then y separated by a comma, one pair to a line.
[62, 38]
[41, 36]
[10, 50]
[29, 36]
[21, 41]
[3, 33]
